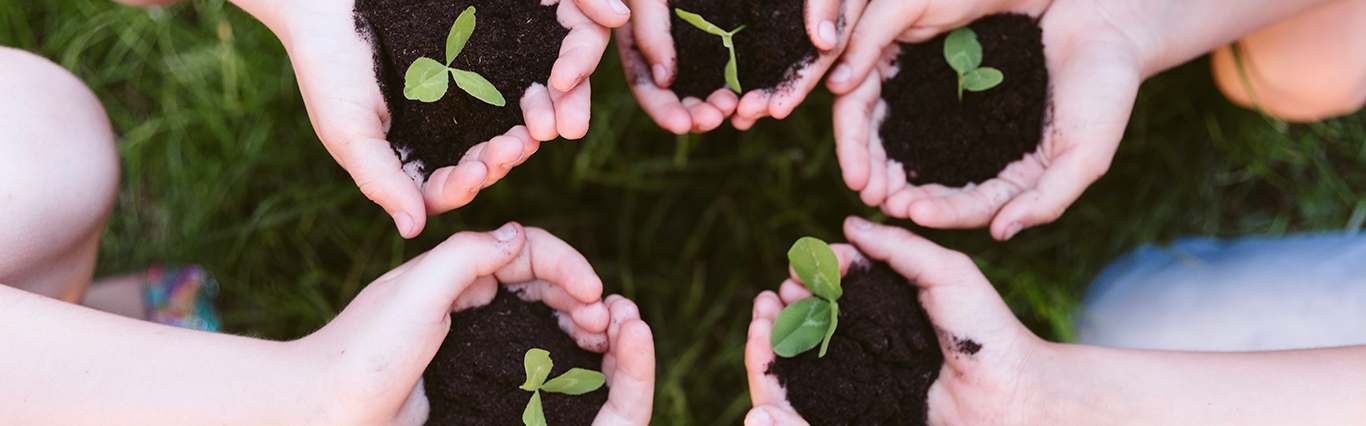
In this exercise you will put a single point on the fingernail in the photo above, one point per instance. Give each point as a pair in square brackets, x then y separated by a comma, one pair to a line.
[758, 417]
[860, 223]
[827, 32]
[513, 163]
[618, 7]
[841, 74]
[1014, 228]
[659, 74]
[403, 222]
[505, 233]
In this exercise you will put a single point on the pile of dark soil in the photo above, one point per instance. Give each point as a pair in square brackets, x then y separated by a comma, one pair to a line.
[514, 44]
[768, 52]
[475, 376]
[941, 140]
[880, 363]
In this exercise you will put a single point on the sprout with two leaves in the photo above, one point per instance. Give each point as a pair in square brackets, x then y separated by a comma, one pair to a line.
[812, 320]
[732, 73]
[576, 381]
[964, 55]
[426, 78]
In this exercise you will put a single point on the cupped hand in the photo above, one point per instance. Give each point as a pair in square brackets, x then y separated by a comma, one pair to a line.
[1094, 67]
[335, 68]
[990, 385]
[378, 347]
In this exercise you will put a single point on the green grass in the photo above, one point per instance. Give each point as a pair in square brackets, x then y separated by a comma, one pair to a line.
[222, 168]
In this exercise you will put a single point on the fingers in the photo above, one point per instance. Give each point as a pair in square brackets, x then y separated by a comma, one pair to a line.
[875, 193]
[791, 291]
[763, 389]
[632, 373]
[705, 116]
[582, 48]
[1093, 94]
[443, 273]
[662, 105]
[547, 258]
[651, 27]
[538, 111]
[608, 13]
[879, 26]
[845, 254]
[454, 186]
[573, 110]
[773, 416]
[821, 16]
[852, 113]
[379, 175]
[585, 317]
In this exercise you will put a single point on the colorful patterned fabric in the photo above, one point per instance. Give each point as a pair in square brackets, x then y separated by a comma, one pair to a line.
[181, 296]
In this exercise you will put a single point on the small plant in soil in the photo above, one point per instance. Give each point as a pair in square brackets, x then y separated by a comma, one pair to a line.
[727, 39]
[964, 55]
[576, 381]
[807, 322]
[426, 78]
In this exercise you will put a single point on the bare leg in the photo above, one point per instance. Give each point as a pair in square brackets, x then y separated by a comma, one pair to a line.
[1306, 68]
[58, 177]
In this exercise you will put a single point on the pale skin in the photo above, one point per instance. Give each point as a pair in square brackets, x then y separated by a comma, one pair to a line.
[648, 55]
[362, 368]
[335, 69]
[1019, 379]
[1097, 53]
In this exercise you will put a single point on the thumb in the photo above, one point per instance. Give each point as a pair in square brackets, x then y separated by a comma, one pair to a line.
[379, 175]
[768, 415]
[437, 277]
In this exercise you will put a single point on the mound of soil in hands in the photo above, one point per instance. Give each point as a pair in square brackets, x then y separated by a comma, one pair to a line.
[941, 140]
[880, 363]
[514, 44]
[475, 376]
[768, 52]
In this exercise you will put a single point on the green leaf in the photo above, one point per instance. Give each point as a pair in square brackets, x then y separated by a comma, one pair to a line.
[830, 332]
[478, 87]
[800, 327]
[982, 79]
[962, 50]
[538, 366]
[702, 24]
[534, 414]
[732, 73]
[460, 33]
[425, 80]
[817, 267]
[576, 381]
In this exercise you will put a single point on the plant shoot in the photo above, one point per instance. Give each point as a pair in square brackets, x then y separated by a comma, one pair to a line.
[732, 74]
[576, 381]
[964, 55]
[426, 78]
[812, 320]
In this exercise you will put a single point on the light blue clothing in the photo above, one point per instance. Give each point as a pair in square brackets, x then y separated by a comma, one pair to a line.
[1251, 293]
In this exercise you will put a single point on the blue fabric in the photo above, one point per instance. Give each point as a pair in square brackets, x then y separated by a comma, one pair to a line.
[1251, 293]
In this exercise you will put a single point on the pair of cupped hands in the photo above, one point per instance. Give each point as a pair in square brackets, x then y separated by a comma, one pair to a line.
[1095, 67]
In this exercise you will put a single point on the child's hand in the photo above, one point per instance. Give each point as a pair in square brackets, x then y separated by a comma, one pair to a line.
[978, 388]
[335, 68]
[648, 55]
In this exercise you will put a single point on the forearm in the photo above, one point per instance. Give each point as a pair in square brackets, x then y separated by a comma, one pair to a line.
[1177, 31]
[62, 364]
[1095, 385]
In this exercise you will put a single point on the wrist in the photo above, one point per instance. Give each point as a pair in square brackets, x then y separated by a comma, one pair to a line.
[1067, 391]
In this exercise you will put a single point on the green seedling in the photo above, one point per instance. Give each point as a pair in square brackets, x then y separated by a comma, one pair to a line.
[732, 74]
[576, 381]
[426, 78]
[812, 320]
[964, 55]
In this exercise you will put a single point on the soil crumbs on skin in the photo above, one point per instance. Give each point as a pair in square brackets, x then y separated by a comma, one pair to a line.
[769, 51]
[474, 378]
[881, 361]
[940, 140]
[515, 43]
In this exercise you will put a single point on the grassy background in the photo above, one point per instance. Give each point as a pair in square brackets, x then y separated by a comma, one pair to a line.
[222, 168]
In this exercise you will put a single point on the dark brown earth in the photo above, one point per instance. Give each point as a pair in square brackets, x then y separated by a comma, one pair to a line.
[940, 140]
[768, 52]
[881, 361]
[514, 44]
[474, 378]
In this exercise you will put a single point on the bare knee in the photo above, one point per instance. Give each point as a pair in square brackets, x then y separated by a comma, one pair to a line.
[58, 176]
[1309, 67]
